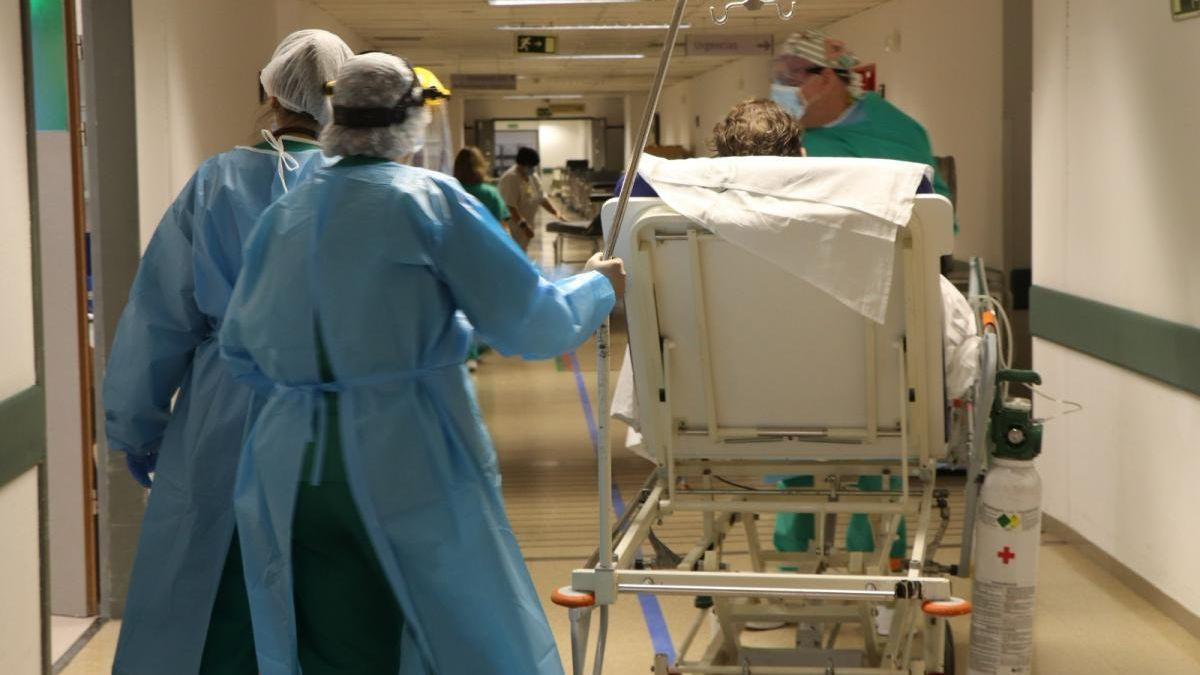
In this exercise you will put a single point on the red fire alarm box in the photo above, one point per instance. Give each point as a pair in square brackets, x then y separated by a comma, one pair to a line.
[866, 76]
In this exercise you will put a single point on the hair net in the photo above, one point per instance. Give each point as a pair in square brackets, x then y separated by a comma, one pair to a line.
[375, 80]
[303, 62]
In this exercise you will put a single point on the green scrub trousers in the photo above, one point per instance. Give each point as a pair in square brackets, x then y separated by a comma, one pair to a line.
[229, 643]
[347, 617]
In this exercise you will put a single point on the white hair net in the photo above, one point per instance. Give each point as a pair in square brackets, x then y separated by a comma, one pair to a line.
[303, 62]
[375, 80]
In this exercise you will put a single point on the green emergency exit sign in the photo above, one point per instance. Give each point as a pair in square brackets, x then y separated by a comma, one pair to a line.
[536, 44]
[1185, 9]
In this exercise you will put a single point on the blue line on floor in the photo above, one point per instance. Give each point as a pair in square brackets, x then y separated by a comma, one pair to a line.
[656, 624]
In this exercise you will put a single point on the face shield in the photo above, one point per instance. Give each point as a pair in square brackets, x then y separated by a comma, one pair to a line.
[437, 153]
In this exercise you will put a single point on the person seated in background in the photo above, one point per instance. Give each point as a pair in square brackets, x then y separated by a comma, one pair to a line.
[522, 190]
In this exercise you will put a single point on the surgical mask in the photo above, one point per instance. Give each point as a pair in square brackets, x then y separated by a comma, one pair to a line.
[789, 98]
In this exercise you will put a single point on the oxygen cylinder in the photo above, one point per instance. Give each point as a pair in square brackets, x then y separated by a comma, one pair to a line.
[1006, 553]
[1007, 538]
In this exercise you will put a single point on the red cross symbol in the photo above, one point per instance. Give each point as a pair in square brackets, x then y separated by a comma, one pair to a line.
[1006, 555]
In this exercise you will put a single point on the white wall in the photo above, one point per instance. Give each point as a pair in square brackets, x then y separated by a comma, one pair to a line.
[675, 118]
[16, 280]
[946, 73]
[20, 562]
[688, 111]
[197, 65]
[20, 592]
[1114, 220]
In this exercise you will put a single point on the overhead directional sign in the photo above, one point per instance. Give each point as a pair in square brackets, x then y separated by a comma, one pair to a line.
[536, 44]
[730, 45]
[497, 81]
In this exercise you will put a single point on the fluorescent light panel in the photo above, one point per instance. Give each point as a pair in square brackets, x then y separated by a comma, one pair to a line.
[605, 26]
[540, 97]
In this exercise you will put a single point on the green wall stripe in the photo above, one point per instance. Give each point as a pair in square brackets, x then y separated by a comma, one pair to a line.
[23, 442]
[1163, 350]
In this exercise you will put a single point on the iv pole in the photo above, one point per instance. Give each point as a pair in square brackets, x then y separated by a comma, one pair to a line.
[604, 566]
[605, 573]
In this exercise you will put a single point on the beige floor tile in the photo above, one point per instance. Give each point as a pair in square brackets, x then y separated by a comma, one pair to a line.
[65, 631]
[96, 658]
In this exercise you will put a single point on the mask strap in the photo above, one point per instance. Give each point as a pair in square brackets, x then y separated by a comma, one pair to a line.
[285, 161]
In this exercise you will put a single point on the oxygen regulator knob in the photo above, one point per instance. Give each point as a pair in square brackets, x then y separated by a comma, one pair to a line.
[1016, 436]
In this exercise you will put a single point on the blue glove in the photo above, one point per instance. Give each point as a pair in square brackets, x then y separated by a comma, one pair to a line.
[140, 467]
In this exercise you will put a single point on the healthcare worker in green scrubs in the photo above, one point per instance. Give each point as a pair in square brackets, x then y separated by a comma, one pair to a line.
[170, 403]
[814, 80]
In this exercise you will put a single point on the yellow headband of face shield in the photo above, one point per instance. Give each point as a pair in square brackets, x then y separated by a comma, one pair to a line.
[430, 83]
[434, 92]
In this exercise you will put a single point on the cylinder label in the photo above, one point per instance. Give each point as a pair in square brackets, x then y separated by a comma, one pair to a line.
[1006, 548]
[1001, 629]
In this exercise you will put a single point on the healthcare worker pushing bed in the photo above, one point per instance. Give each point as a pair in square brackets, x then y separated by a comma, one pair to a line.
[186, 611]
[368, 499]
[814, 81]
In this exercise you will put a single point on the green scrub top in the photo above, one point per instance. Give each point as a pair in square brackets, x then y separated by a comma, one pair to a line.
[876, 129]
[490, 196]
[290, 145]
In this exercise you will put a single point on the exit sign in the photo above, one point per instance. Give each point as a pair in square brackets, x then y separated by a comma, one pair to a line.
[536, 44]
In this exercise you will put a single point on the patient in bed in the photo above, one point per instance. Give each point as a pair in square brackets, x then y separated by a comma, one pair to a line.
[762, 128]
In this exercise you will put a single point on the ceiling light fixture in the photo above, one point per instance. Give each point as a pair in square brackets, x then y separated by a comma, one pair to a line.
[603, 26]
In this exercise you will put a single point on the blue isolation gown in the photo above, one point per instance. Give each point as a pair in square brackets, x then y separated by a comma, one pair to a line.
[379, 258]
[166, 342]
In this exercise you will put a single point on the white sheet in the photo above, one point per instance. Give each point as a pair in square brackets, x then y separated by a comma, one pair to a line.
[829, 221]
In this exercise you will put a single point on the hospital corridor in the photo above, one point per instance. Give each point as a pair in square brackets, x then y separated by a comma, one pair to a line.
[582, 337]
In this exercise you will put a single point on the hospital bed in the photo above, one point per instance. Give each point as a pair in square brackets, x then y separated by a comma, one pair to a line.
[742, 369]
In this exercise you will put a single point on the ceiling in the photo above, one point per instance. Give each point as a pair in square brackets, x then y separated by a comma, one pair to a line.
[460, 36]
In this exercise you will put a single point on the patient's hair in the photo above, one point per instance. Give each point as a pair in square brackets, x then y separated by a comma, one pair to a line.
[758, 128]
